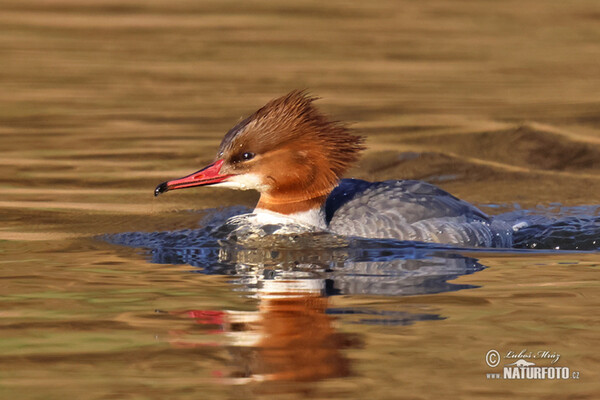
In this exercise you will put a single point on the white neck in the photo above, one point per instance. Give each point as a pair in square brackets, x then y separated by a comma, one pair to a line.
[313, 217]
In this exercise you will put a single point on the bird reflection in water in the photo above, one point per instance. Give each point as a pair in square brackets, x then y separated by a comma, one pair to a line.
[293, 334]
[289, 338]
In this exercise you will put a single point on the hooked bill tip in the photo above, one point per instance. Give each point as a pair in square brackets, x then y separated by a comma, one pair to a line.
[161, 189]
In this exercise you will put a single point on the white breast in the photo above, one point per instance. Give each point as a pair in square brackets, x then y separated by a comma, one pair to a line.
[314, 218]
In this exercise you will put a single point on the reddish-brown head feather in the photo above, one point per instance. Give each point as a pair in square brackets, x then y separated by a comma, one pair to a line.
[300, 153]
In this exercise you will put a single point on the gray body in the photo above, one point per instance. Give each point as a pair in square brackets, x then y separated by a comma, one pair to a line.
[411, 210]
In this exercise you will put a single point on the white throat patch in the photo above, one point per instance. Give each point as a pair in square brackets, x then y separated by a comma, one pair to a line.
[314, 217]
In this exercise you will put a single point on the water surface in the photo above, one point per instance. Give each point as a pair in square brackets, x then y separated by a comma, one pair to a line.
[496, 103]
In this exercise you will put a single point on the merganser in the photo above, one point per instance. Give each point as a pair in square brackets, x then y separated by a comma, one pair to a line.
[295, 156]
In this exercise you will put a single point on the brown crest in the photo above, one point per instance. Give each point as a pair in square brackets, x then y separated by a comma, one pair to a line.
[301, 151]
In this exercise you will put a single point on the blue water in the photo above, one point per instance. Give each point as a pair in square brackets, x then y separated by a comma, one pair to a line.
[350, 266]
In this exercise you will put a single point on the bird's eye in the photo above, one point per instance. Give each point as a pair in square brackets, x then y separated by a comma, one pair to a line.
[247, 156]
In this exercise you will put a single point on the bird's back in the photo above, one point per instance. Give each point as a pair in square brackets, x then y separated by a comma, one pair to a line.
[410, 210]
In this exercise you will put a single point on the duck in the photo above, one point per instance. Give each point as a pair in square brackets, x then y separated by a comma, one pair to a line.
[295, 156]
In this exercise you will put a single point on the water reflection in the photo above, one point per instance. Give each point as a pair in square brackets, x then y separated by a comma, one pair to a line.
[292, 335]
[297, 331]
[289, 338]
[348, 266]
